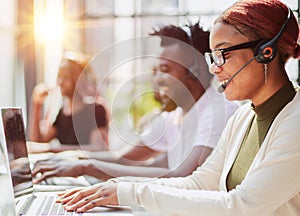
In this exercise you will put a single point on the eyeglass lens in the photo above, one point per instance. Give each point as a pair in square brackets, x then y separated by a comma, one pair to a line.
[217, 56]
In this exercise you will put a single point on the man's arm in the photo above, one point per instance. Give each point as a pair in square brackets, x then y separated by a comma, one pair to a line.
[195, 159]
[105, 170]
[128, 155]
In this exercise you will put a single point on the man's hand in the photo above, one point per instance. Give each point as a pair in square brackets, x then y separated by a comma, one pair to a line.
[58, 168]
[84, 199]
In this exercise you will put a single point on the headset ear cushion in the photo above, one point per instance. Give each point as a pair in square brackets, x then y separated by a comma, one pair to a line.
[265, 51]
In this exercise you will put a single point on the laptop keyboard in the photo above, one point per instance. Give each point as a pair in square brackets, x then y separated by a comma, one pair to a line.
[50, 207]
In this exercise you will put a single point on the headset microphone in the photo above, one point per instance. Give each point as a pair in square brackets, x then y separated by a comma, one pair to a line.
[222, 87]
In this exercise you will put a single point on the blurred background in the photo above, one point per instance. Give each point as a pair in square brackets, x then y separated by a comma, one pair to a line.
[34, 34]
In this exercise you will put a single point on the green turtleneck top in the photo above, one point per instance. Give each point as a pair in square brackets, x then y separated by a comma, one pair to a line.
[256, 133]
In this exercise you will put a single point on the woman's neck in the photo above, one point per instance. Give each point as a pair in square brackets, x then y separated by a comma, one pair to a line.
[275, 82]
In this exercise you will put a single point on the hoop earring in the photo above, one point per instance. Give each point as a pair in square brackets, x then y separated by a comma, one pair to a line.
[266, 72]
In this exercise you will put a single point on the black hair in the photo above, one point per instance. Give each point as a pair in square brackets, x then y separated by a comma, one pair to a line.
[194, 36]
[199, 38]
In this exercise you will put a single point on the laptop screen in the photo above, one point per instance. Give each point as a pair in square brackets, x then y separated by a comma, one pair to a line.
[15, 139]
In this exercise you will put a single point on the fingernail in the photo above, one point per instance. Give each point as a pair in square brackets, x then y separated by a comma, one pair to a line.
[62, 200]
[68, 208]
[80, 210]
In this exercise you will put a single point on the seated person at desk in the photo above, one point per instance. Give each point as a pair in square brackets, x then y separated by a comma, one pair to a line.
[82, 121]
[254, 170]
[187, 135]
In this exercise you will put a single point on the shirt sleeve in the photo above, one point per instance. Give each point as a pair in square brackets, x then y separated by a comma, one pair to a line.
[270, 183]
[213, 115]
[205, 177]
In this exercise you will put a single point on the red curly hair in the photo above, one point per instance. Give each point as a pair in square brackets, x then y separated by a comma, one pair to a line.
[262, 20]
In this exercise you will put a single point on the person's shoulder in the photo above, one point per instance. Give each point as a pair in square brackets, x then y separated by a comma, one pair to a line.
[171, 114]
[233, 105]
[101, 102]
[292, 108]
[99, 106]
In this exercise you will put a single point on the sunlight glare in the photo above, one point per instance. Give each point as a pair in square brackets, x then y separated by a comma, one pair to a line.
[49, 24]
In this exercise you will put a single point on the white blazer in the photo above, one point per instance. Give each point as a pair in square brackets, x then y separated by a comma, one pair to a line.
[271, 186]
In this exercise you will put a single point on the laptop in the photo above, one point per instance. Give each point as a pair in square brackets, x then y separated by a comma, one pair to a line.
[29, 200]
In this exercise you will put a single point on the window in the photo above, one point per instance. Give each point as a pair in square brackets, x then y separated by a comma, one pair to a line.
[114, 32]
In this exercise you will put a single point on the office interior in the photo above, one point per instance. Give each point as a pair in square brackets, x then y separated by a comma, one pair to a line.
[35, 33]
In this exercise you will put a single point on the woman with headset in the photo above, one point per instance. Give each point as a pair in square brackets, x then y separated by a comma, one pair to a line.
[82, 120]
[254, 168]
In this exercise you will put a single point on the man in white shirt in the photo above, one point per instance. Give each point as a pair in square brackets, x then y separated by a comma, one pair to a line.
[198, 128]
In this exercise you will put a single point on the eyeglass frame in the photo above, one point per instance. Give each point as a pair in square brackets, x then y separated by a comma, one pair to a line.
[209, 57]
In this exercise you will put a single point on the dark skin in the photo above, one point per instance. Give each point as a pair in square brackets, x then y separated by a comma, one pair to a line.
[188, 90]
[67, 86]
[58, 168]
[20, 171]
[239, 89]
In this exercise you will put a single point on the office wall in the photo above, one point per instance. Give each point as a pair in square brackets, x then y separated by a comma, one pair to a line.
[7, 53]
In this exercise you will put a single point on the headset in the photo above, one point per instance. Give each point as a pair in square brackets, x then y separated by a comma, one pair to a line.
[265, 52]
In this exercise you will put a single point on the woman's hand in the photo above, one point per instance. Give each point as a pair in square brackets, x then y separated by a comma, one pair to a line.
[40, 92]
[84, 199]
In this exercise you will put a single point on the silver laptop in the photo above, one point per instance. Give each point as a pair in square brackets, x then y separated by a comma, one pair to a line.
[29, 201]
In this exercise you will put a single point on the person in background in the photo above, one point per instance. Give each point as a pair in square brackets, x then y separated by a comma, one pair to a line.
[254, 168]
[83, 119]
[180, 140]
[166, 104]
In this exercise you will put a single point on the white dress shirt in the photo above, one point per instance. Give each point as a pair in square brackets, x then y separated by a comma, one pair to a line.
[177, 133]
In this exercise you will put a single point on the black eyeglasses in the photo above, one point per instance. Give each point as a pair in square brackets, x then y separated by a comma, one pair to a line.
[217, 56]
